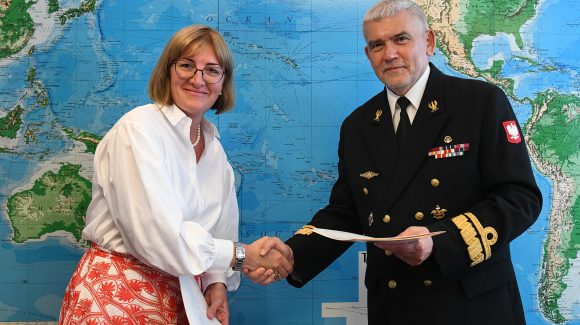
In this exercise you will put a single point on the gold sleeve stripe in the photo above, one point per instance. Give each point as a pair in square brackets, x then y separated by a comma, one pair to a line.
[469, 235]
[305, 230]
[483, 234]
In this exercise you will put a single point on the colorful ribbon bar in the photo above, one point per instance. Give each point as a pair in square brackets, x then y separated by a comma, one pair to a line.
[449, 151]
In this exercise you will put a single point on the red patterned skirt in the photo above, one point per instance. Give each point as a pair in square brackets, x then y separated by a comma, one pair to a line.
[111, 288]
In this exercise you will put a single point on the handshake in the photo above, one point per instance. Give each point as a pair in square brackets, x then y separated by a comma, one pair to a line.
[268, 260]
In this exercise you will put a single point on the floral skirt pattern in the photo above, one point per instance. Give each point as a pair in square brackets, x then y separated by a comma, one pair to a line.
[110, 288]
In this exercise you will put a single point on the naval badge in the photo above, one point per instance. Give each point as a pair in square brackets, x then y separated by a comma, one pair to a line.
[369, 174]
[378, 115]
[433, 106]
[447, 139]
[438, 213]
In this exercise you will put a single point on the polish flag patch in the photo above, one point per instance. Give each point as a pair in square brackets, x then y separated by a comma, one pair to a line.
[512, 132]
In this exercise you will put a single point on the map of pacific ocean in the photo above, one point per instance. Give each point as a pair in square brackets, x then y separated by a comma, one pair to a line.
[70, 69]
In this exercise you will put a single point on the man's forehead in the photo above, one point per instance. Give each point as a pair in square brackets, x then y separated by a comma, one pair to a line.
[391, 26]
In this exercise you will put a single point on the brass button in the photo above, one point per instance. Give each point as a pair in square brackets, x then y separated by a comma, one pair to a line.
[388, 252]
[365, 191]
[427, 283]
[386, 218]
[392, 284]
[434, 182]
[419, 215]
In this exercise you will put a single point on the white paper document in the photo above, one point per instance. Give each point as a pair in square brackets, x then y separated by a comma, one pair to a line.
[348, 236]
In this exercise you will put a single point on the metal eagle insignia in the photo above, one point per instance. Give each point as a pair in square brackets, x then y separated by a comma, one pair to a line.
[438, 213]
[378, 115]
[433, 106]
[369, 175]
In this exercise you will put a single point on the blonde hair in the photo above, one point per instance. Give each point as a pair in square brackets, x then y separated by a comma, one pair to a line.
[199, 36]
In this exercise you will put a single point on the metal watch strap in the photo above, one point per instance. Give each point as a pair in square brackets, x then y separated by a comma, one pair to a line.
[240, 256]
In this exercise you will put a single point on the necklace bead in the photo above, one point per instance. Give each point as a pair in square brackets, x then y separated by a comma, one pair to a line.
[198, 135]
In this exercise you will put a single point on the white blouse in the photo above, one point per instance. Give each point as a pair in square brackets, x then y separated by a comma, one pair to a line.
[152, 200]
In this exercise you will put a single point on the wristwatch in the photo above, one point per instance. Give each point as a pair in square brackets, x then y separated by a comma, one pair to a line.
[240, 255]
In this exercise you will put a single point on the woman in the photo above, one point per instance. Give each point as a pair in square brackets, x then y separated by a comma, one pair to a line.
[163, 220]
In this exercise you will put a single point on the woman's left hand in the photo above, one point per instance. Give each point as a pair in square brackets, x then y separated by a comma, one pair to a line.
[217, 300]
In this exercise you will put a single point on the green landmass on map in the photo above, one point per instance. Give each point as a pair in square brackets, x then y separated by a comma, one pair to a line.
[16, 27]
[11, 123]
[489, 17]
[53, 6]
[40, 92]
[90, 140]
[87, 6]
[56, 202]
[556, 137]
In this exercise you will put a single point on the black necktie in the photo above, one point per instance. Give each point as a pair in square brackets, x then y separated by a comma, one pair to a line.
[404, 122]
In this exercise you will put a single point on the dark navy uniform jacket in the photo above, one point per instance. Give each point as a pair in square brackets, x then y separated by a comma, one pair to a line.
[465, 170]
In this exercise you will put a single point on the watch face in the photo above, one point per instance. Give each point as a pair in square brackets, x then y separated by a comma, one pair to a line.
[240, 256]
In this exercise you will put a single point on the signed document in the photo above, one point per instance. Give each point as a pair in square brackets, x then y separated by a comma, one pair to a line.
[348, 236]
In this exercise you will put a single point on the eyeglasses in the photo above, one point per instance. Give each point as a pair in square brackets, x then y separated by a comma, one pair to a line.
[186, 69]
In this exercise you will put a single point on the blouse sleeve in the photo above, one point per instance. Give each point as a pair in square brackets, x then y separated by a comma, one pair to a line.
[227, 227]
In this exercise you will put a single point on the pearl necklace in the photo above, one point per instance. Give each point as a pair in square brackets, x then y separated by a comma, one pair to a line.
[198, 135]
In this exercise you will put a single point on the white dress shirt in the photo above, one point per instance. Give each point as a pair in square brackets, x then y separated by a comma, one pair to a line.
[152, 200]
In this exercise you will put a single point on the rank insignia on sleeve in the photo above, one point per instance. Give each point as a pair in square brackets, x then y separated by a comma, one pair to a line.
[305, 230]
[369, 174]
[477, 238]
[512, 132]
[449, 151]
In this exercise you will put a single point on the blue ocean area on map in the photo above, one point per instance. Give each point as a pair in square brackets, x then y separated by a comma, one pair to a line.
[300, 70]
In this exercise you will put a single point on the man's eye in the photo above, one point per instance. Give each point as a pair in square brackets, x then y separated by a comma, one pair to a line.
[402, 39]
[376, 46]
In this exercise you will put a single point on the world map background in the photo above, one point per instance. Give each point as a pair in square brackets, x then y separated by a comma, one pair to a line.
[70, 69]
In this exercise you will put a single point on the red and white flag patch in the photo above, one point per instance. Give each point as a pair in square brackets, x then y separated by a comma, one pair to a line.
[512, 132]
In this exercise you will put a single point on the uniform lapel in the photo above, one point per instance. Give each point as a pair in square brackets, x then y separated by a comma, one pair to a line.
[430, 118]
[380, 135]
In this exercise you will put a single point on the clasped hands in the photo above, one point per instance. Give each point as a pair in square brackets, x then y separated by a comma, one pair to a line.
[268, 260]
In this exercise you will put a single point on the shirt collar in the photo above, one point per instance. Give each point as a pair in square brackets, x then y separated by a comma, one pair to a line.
[175, 116]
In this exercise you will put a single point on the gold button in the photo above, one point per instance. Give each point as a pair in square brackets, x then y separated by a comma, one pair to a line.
[392, 284]
[386, 218]
[427, 283]
[388, 252]
[365, 191]
[419, 215]
[435, 182]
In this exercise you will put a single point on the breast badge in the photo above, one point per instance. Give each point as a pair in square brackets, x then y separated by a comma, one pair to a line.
[369, 174]
[438, 213]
